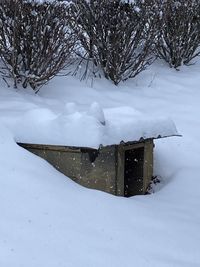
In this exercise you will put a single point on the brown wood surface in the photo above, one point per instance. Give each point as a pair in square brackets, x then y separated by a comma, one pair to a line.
[102, 169]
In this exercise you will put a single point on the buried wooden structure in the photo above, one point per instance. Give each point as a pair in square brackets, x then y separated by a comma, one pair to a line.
[125, 169]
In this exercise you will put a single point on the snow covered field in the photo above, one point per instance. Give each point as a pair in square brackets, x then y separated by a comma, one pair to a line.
[48, 220]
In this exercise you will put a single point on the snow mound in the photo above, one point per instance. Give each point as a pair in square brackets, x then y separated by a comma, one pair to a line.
[91, 127]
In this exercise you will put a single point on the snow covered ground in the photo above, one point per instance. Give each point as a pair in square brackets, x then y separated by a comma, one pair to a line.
[48, 220]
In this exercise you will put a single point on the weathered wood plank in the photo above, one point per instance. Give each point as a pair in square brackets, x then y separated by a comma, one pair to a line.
[101, 169]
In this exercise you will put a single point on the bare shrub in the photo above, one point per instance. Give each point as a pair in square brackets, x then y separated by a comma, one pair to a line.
[179, 31]
[35, 41]
[115, 35]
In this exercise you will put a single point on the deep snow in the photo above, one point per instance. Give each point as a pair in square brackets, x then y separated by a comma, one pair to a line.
[88, 126]
[48, 220]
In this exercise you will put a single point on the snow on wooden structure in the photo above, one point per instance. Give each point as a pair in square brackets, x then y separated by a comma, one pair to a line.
[114, 155]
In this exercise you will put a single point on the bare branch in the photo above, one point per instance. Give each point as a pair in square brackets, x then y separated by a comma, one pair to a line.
[179, 31]
[35, 41]
[117, 36]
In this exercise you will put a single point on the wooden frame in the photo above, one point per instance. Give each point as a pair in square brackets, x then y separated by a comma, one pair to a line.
[101, 169]
[147, 167]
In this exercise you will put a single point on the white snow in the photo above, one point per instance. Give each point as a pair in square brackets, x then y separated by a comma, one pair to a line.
[88, 129]
[48, 220]
[90, 126]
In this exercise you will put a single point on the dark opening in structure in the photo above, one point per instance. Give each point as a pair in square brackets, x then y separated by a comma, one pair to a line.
[133, 171]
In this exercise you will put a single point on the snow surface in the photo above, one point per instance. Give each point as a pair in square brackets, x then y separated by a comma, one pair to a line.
[74, 125]
[48, 220]
[87, 128]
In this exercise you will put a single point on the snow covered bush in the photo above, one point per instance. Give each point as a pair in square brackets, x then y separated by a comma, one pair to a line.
[116, 35]
[35, 41]
[179, 31]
